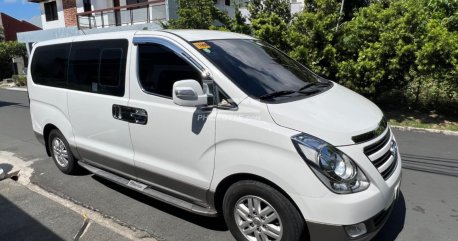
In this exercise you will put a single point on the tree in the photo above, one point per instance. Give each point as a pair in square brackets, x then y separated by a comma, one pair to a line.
[8, 50]
[312, 36]
[410, 46]
[199, 14]
[239, 24]
[269, 21]
[281, 8]
[271, 28]
[2, 34]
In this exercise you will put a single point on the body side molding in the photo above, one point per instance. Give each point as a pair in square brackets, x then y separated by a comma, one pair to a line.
[210, 212]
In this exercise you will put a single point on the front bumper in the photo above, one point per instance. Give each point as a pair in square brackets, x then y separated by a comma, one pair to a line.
[318, 231]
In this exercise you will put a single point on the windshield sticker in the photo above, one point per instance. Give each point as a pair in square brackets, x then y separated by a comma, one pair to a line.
[201, 45]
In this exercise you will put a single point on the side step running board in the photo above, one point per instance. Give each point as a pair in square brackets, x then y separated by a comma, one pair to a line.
[145, 189]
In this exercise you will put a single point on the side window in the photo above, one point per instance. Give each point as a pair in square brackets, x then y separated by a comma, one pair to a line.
[110, 61]
[98, 67]
[159, 68]
[50, 64]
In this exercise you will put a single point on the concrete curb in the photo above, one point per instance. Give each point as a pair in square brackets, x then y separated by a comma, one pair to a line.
[114, 226]
[425, 130]
[16, 88]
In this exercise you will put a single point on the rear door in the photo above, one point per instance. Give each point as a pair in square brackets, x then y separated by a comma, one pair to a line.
[174, 149]
[97, 91]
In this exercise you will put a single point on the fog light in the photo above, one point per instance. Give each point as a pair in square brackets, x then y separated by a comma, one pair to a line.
[356, 230]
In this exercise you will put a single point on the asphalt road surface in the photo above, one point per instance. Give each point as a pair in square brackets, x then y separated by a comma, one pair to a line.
[426, 210]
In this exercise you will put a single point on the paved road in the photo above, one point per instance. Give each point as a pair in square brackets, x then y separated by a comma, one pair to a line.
[427, 209]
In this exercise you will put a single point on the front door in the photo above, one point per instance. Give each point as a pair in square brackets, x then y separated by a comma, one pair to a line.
[96, 79]
[174, 151]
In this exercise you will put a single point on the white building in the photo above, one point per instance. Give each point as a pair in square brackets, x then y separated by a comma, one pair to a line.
[64, 18]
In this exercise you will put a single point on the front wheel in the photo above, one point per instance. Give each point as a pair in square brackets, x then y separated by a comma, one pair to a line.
[255, 211]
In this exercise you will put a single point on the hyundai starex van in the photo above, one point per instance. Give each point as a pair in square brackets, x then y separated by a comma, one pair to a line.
[217, 123]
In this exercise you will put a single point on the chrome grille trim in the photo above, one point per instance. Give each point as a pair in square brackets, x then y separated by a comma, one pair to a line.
[368, 136]
[380, 154]
[373, 148]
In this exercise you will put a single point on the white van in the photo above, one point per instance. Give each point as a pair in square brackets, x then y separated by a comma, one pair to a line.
[218, 123]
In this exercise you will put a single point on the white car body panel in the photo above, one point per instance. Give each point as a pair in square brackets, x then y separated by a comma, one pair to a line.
[333, 116]
[181, 150]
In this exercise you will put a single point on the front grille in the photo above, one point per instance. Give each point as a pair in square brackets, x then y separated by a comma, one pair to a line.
[381, 154]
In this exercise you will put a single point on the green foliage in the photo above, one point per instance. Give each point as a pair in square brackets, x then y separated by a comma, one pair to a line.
[239, 24]
[199, 14]
[263, 8]
[193, 14]
[312, 37]
[2, 34]
[269, 21]
[271, 28]
[7, 51]
[410, 46]
[10, 49]
[402, 50]
[20, 80]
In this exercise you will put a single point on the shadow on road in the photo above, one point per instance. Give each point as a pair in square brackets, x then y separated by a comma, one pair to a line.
[6, 167]
[6, 103]
[216, 224]
[395, 222]
[17, 225]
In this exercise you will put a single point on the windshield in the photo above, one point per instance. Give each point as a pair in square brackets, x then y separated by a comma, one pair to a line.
[259, 69]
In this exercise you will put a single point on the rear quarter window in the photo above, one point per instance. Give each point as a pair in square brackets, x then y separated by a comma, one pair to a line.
[50, 65]
[89, 66]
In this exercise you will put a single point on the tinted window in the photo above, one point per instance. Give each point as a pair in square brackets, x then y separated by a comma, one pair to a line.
[110, 62]
[98, 66]
[257, 68]
[49, 65]
[160, 68]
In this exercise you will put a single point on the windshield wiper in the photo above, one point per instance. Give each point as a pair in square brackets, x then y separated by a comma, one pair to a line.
[313, 87]
[276, 94]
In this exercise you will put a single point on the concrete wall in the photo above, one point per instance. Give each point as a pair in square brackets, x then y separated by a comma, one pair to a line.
[60, 22]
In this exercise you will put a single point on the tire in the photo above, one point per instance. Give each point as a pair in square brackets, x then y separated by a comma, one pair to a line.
[61, 153]
[289, 226]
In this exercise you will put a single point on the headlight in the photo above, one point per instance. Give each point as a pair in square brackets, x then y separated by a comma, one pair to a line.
[335, 169]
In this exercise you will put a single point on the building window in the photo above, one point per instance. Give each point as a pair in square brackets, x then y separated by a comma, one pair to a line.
[51, 11]
[227, 2]
[87, 5]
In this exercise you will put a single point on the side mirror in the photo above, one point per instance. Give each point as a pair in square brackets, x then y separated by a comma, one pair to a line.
[189, 93]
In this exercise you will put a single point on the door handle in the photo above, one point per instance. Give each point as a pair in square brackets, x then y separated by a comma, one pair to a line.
[130, 114]
[140, 116]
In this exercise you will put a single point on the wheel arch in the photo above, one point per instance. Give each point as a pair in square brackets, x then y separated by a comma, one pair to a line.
[46, 131]
[224, 185]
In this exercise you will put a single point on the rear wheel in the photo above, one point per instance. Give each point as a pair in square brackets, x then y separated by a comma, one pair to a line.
[255, 211]
[61, 153]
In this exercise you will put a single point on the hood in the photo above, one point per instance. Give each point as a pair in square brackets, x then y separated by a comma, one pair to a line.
[334, 116]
